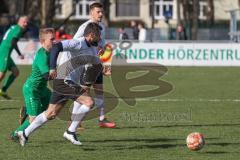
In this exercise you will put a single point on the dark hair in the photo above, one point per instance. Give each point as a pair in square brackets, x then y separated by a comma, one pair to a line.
[92, 28]
[96, 5]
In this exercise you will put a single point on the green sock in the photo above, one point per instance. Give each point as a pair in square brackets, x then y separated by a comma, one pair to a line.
[8, 82]
[25, 124]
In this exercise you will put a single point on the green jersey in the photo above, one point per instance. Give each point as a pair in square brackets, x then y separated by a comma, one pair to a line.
[14, 31]
[40, 66]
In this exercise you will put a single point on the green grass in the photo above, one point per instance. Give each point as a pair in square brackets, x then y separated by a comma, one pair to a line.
[204, 99]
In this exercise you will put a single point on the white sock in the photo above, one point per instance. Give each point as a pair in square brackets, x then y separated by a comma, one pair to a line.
[37, 122]
[78, 113]
[99, 103]
[101, 113]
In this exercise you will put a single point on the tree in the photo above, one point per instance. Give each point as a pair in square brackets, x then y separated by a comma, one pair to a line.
[47, 12]
[187, 12]
[3, 7]
[178, 18]
[210, 12]
[31, 8]
[195, 19]
[190, 16]
[106, 8]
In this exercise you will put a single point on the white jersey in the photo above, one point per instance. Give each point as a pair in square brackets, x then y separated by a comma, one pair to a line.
[78, 46]
[73, 69]
[79, 34]
[81, 29]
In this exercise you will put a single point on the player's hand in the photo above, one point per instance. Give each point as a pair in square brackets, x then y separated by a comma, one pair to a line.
[52, 73]
[21, 56]
[100, 51]
[107, 71]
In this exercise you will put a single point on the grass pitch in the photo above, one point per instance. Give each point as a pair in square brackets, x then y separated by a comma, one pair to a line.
[204, 99]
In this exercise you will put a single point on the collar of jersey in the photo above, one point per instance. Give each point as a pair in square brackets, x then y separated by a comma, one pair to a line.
[88, 44]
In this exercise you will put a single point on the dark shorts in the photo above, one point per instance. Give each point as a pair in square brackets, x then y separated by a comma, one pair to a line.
[99, 79]
[63, 92]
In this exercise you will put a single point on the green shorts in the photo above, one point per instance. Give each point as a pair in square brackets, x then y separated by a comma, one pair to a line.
[36, 101]
[6, 61]
[6, 64]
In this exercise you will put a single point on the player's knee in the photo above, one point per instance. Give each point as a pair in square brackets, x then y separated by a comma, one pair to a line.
[31, 118]
[15, 73]
[89, 102]
[2, 76]
[51, 115]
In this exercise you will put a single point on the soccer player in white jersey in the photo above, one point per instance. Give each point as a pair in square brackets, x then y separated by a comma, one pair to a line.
[73, 81]
[96, 15]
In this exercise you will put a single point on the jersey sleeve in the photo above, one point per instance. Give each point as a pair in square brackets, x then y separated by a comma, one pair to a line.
[72, 44]
[80, 32]
[102, 42]
[43, 64]
[17, 33]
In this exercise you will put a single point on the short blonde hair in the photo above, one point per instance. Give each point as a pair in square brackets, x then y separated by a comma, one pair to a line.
[44, 31]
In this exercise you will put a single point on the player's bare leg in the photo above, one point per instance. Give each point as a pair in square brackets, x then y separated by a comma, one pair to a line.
[41, 119]
[81, 107]
[3, 94]
[10, 79]
[2, 75]
[22, 115]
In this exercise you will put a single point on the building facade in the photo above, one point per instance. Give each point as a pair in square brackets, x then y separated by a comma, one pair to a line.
[141, 10]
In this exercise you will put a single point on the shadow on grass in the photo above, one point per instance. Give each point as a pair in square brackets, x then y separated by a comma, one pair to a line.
[223, 144]
[167, 146]
[150, 145]
[195, 125]
[154, 140]
[2, 109]
[215, 152]
[146, 140]
[131, 127]
[153, 146]
[56, 141]
[177, 125]
[88, 149]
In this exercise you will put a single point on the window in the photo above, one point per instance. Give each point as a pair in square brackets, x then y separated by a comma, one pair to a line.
[162, 9]
[81, 8]
[59, 8]
[127, 8]
[203, 9]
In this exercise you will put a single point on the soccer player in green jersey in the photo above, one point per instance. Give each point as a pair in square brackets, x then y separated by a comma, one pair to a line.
[35, 91]
[9, 42]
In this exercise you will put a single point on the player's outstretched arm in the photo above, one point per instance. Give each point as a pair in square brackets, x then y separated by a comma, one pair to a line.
[57, 48]
[15, 46]
[66, 45]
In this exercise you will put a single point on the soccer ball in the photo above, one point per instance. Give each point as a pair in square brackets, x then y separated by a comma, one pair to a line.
[195, 141]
